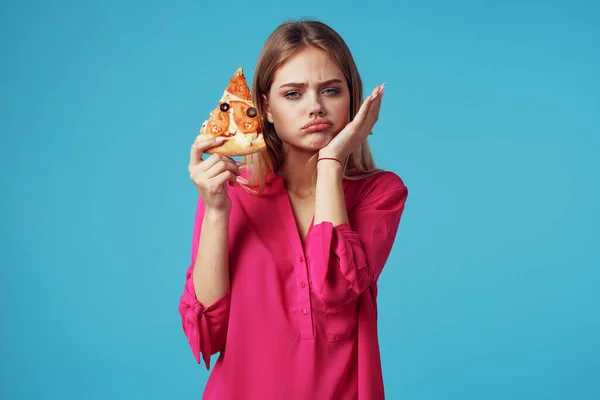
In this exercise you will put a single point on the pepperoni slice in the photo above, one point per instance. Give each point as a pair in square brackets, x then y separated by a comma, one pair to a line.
[218, 123]
[239, 87]
[242, 120]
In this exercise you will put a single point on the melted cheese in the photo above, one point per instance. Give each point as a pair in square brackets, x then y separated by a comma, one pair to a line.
[243, 138]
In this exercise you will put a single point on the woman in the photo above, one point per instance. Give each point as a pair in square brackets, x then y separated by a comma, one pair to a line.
[288, 247]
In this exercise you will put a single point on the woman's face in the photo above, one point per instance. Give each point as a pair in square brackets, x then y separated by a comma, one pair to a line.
[309, 87]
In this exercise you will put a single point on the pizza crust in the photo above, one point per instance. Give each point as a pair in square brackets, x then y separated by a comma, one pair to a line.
[235, 145]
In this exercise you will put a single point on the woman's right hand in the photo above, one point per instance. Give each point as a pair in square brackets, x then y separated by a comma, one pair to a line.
[211, 175]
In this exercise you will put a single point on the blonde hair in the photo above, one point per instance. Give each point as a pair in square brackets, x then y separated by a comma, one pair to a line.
[285, 41]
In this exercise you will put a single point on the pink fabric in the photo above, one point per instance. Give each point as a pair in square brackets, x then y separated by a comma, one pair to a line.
[299, 320]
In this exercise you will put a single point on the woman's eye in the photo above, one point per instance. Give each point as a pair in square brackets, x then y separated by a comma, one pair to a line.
[291, 95]
[328, 92]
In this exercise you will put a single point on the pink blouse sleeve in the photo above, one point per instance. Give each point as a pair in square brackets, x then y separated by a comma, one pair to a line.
[205, 328]
[345, 260]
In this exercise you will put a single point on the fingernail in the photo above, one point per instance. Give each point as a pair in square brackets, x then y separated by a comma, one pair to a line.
[220, 139]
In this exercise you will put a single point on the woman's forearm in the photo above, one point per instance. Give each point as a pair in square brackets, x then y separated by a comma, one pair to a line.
[330, 204]
[211, 270]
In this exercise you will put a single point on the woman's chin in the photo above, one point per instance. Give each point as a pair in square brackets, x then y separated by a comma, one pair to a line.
[318, 141]
[312, 143]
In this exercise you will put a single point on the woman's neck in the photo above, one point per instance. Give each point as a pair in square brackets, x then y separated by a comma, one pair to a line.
[297, 173]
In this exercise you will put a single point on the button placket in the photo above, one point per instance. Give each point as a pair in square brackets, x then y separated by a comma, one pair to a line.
[306, 322]
[299, 261]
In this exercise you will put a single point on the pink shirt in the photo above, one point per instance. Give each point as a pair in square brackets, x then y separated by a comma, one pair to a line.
[299, 320]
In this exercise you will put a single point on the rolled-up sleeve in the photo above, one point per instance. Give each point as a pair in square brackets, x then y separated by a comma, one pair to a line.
[204, 327]
[344, 260]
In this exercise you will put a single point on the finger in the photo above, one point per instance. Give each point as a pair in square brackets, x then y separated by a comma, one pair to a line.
[373, 97]
[206, 179]
[376, 107]
[376, 90]
[364, 108]
[215, 158]
[200, 146]
[223, 166]
[216, 164]
[373, 114]
[371, 119]
[233, 179]
[375, 93]
[222, 178]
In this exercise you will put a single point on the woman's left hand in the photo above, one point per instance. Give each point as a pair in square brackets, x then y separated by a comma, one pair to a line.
[356, 132]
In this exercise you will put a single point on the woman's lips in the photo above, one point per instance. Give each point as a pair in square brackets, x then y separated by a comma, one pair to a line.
[318, 127]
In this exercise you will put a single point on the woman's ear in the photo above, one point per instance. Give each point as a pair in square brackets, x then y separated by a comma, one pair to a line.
[267, 108]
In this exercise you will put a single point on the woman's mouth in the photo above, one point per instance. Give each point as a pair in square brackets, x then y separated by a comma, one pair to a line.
[317, 127]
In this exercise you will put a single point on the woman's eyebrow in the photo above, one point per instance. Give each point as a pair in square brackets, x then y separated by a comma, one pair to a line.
[298, 84]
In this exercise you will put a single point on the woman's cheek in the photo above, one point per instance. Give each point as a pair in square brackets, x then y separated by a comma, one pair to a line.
[284, 121]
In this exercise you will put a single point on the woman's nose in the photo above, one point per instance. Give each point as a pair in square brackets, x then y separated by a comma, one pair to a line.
[315, 107]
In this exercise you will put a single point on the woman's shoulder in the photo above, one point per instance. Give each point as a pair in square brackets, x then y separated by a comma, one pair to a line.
[378, 182]
[380, 189]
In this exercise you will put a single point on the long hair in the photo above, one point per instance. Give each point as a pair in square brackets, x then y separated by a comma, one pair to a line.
[285, 41]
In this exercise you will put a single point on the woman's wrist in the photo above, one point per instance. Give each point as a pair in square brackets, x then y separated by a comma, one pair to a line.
[323, 153]
[329, 156]
[330, 168]
[329, 159]
[217, 214]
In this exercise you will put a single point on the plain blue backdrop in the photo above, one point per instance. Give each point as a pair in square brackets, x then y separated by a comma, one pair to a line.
[491, 117]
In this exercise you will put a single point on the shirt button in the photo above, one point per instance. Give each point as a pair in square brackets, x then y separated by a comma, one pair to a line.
[301, 259]
[302, 285]
[304, 311]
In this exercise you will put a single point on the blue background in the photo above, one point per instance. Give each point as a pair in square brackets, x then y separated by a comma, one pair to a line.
[491, 117]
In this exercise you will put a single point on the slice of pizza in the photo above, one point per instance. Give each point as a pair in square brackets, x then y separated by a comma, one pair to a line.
[236, 119]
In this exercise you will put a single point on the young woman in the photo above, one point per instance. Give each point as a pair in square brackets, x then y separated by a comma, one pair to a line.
[287, 248]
